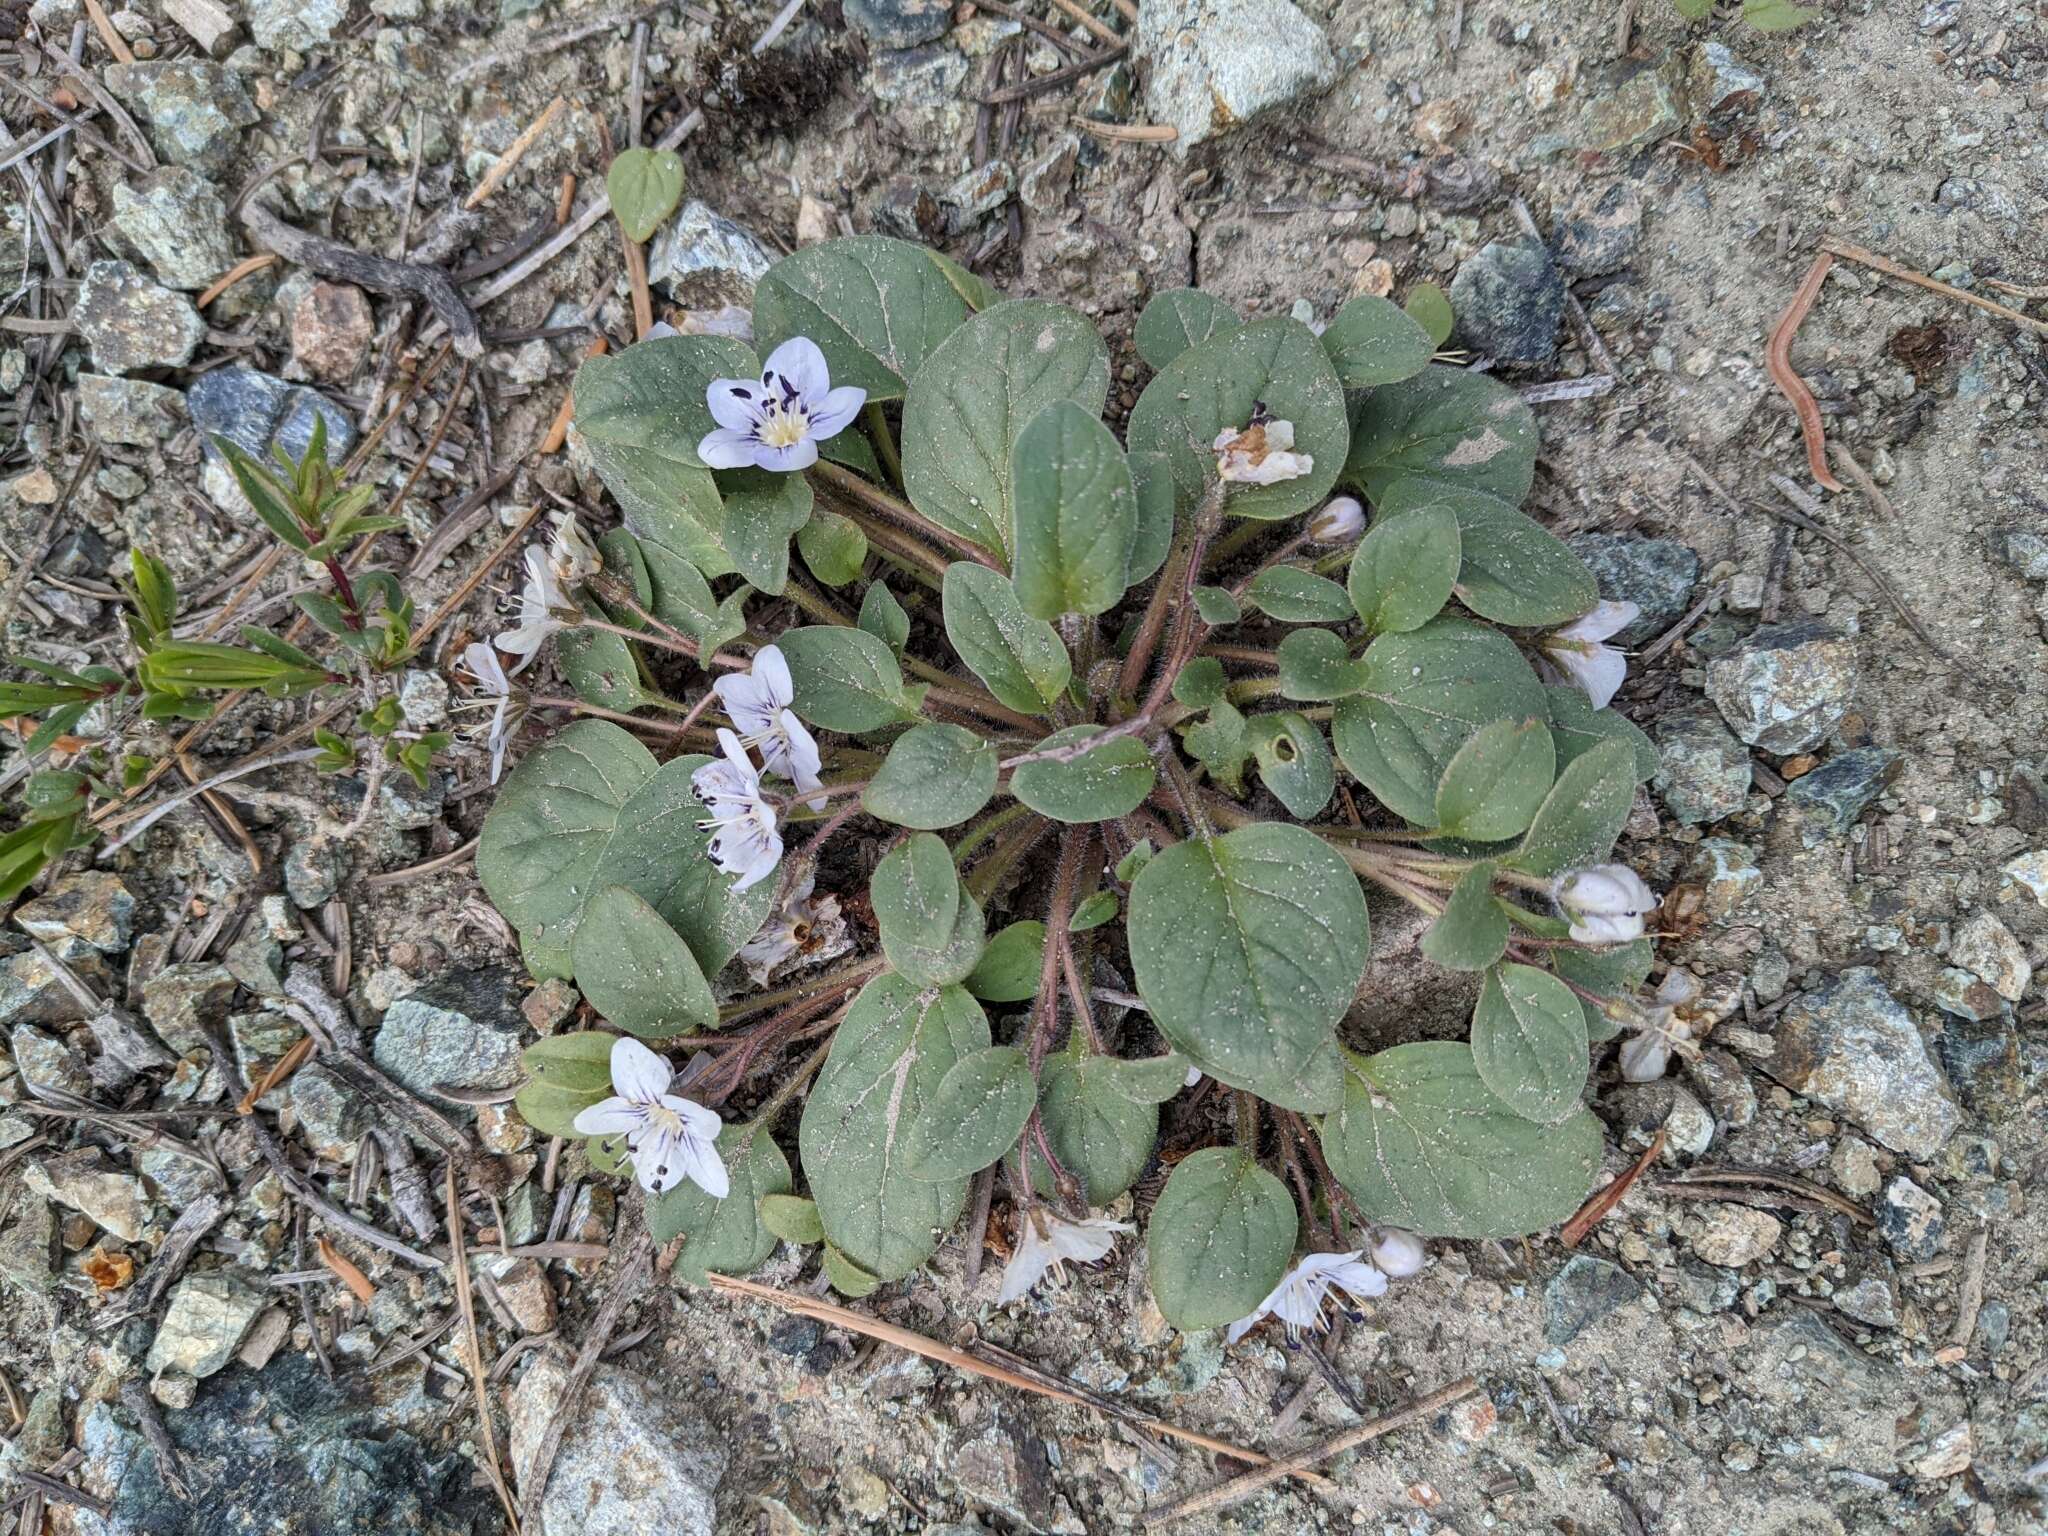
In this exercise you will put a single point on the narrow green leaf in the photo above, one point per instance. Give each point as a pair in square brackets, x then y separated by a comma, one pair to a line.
[1295, 596]
[1020, 658]
[1576, 727]
[1076, 514]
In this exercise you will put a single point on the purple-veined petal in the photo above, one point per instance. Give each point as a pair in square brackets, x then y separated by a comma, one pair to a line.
[770, 671]
[833, 414]
[801, 454]
[745, 703]
[698, 1120]
[658, 1162]
[637, 1072]
[699, 1162]
[804, 758]
[735, 403]
[609, 1117]
[800, 364]
[727, 449]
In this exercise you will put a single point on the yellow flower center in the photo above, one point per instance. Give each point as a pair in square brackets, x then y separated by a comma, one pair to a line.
[784, 428]
[664, 1119]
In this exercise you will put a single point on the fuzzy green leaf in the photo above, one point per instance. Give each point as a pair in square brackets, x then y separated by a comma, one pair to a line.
[1472, 931]
[1219, 1238]
[1020, 658]
[725, 1237]
[636, 971]
[1076, 514]
[1494, 782]
[1101, 785]
[934, 776]
[1295, 596]
[932, 930]
[645, 185]
[1529, 1042]
[1510, 569]
[1294, 762]
[882, 616]
[1175, 319]
[844, 679]
[1317, 665]
[833, 547]
[877, 308]
[1430, 308]
[1576, 727]
[1403, 570]
[1448, 425]
[1372, 341]
[1583, 813]
[793, 1218]
[1008, 969]
[1102, 1133]
[975, 1115]
[566, 1074]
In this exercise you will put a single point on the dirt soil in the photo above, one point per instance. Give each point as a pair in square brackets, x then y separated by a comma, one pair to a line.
[1701, 1397]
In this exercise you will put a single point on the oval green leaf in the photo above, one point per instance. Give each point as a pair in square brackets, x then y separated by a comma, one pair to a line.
[636, 971]
[974, 1116]
[1248, 948]
[1495, 781]
[1583, 813]
[844, 679]
[1372, 341]
[1110, 781]
[833, 547]
[1403, 570]
[1294, 762]
[725, 1237]
[1511, 569]
[1178, 318]
[877, 308]
[1447, 425]
[1008, 969]
[1219, 1238]
[934, 776]
[645, 185]
[1529, 1042]
[1317, 665]
[1102, 1135]
[1076, 513]
[1020, 658]
[566, 1074]
[1472, 930]
[1294, 596]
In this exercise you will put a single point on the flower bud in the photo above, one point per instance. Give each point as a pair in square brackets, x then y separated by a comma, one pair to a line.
[1606, 903]
[1397, 1253]
[1341, 520]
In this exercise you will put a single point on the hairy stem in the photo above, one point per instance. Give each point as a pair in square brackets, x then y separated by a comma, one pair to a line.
[885, 442]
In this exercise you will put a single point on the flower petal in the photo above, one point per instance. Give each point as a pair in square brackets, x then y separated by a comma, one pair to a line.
[1029, 1261]
[701, 1165]
[735, 404]
[727, 449]
[833, 414]
[702, 1122]
[736, 755]
[804, 758]
[801, 454]
[1602, 621]
[609, 1117]
[799, 363]
[763, 854]
[658, 1162]
[770, 672]
[637, 1072]
[1599, 670]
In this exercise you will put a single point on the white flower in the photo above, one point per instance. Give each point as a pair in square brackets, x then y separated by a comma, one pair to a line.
[572, 558]
[1398, 1254]
[1261, 454]
[778, 421]
[1298, 1300]
[670, 1138]
[1659, 1030]
[1606, 903]
[744, 841]
[1341, 520]
[758, 702]
[1574, 654]
[484, 666]
[543, 608]
[1045, 1241]
[800, 926]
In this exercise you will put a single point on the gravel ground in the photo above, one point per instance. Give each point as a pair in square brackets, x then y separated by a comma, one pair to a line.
[1821, 1306]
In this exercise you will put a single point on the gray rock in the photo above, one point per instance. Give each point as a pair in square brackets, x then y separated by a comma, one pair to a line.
[632, 1448]
[1985, 947]
[185, 1004]
[313, 868]
[1509, 299]
[1982, 1059]
[461, 1030]
[1689, 1128]
[1910, 1220]
[1043, 185]
[1726, 873]
[297, 25]
[27, 1248]
[132, 412]
[1717, 83]
[46, 1062]
[526, 1213]
[1834, 795]
[82, 552]
[84, 1182]
[2025, 551]
[282, 1452]
[1583, 1292]
[401, 803]
[899, 23]
[974, 196]
[257, 410]
[1725, 1086]
[1638, 105]
[1599, 234]
[256, 960]
[1731, 1236]
[704, 259]
[1958, 993]
[194, 109]
[333, 1115]
[131, 322]
[209, 1315]
[260, 1040]
[1803, 1349]
[1872, 1299]
[92, 908]
[1213, 64]
[177, 222]
[31, 991]
[1853, 1047]
[1657, 575]
[1703, 772]
[929, 75]
[1786, 687]
[1704, 1288]
[176, 1179]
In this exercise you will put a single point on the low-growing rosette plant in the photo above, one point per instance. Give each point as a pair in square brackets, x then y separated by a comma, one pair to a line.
[1166, 708]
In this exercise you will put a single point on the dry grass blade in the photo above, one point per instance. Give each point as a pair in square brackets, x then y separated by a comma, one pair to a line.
[347, 1273]
[472, 1351]
[1798, 1188]
[1595, 1210]
[287, 1064]
[965, 1360]
[504, 165]
[1890, 268]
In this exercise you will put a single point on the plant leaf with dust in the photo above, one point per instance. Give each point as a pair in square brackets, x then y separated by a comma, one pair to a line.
[1008, 969]
[844, 679]
[1614, 971]
[1110, 781]
[1583, 813]
[895, 1047]
[1217, 386]
[645, 185]
[1471, 932]
[1101, 1134]
[725, 1237]
[1175, 319]
[933, 932]
[1294, 761]
[1529, 1042]
[1316, 665]
[793, 1218]
[1404, 570]
[876, 307]
[600, 668]
[1430, 307]
[1495, 781]
[762, 510]
[1510, 569]
[969, 405]
[1278, 926]
[1373, 341]
[882, 616]
[934, 776]
[1447, 425]
[975, 1115]
[1019, 658]
[1422, 695]
[1295, 596]
[1576, 728]
[1076, 514]
[636, 971]
[566, 1074]
[833, 547]
[1219, 1238]
[1420, 1142]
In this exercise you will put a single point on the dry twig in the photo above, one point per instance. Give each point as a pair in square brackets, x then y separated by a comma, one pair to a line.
[1778, 362]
